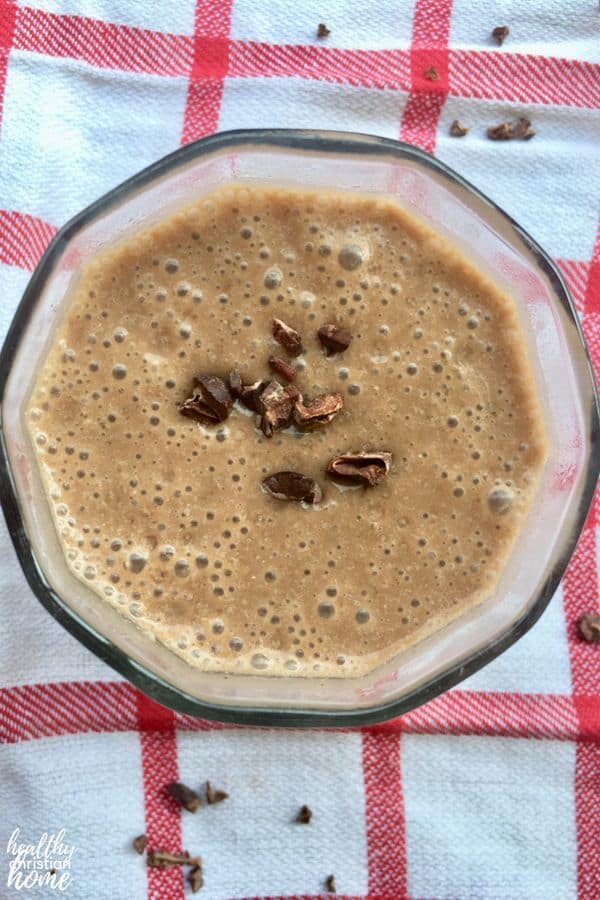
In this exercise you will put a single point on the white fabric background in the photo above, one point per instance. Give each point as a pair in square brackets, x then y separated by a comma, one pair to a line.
[487, 818]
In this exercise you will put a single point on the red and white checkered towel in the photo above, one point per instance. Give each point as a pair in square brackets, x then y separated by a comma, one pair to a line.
[492, 791]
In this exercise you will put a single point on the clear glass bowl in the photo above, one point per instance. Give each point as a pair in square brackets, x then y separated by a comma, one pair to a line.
[440, 197]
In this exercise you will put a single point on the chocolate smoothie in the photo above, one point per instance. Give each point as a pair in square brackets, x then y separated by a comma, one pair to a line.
[266, 331]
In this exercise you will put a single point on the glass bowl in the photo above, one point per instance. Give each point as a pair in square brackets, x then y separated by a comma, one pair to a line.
[498, 245]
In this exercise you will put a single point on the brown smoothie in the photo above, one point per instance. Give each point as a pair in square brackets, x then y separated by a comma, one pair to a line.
[166, 517]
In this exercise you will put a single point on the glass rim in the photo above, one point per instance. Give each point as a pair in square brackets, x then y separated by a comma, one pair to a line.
[140, 675]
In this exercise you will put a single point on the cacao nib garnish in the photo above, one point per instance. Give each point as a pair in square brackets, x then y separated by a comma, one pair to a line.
[236, 385]
[288, 337]
[304, 815]
[334, 338]
[522, 129]
[196, 879]
[188, 798]
[457, 129]
[282, 368]
[214, 795]
[330, 884]
[361, 468]
[247, 394]
[140, 843]
[292, 486]
[502, 132]
[323, 31]
[589, 628]
[162, 859]
[211, 403]
[511, 131]
[500, 33]
[251, 394]
[277, 406]
[317, 412]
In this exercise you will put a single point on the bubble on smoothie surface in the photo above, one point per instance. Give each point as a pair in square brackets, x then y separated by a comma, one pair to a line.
[500, 499]
[326, 610]
[273, 277]
[137, 562]
[351, 257]
[259, 661]
[167, 551]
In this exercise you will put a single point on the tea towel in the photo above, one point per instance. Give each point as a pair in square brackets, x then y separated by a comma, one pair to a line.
[490, 791]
